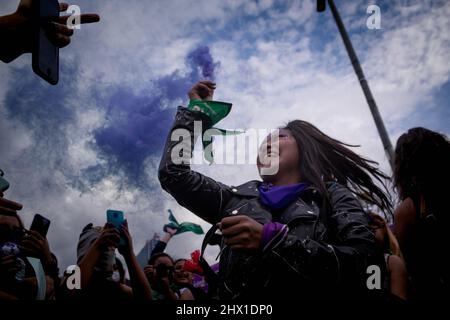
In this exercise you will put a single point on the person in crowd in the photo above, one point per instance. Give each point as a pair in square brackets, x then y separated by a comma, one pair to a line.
[160, 274]
[18, 279]
[421, 172]
[301, 231]
[16, 30]
[184, 278]
[395, 280]
[102, 276]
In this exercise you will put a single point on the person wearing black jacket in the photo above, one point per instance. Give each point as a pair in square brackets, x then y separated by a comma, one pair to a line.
[301, 232]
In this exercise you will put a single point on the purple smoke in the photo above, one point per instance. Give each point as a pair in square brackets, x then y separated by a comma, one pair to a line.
[137, 125]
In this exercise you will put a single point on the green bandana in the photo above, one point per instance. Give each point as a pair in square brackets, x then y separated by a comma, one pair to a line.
[216, 111]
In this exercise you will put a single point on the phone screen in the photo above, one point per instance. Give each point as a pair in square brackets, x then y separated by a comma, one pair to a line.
[40, 224]
[116, 218]
[45, 52]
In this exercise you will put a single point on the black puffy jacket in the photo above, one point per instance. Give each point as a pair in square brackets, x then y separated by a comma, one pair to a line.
[325, 253]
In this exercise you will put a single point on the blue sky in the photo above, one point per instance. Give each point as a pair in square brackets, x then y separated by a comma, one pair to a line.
[94, 141]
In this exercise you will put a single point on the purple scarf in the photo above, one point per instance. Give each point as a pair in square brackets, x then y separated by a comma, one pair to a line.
[279, 197]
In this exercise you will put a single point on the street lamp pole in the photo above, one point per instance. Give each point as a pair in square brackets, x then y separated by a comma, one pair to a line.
[321, 6]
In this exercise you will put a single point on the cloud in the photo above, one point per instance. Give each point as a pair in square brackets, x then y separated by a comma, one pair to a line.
[136, 125]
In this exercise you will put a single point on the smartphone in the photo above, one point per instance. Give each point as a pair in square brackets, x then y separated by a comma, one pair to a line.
[45, 57]
[116, 218]
[4, 184]
[40, 224]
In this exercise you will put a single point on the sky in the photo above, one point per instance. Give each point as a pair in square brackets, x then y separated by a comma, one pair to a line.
[94, 141]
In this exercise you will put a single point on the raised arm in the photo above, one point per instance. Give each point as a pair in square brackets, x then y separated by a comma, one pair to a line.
[139, 283]
[200, 194]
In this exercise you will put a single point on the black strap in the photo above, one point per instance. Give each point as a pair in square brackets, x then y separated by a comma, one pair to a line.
[211, 277]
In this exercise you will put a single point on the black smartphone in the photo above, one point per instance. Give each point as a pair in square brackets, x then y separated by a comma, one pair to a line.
[40, 224]
[45, 52]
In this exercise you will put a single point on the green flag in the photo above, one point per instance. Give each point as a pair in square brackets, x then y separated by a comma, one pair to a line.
[182, 227]
[215, 110]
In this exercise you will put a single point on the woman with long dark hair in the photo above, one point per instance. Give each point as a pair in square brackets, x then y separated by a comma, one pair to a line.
[299, 232]
[395, 277]
[421, 175]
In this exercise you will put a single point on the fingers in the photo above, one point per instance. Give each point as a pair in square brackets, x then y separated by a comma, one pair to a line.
[108, 226]
[11, 205]
[110, 237]
[239, 241]
[35, 235]
[61, 40]
[231, 221]
[233, 230]
[63, 29]
[208, 82]
[29, 249]
[84, 18]
[63, 6]
[202, 90]
[149, 270]
[7, 211]
[9, 264]
[7, 260]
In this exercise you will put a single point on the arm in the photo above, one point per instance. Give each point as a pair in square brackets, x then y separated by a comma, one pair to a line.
[29, 287]
[162, 244]
[343, 261]
[186, 295]
[159, 247]
[200, 194]
[7, 297]
[399, 277]
[404, 218]
[167, 291]
[139, 283]
[109, 238]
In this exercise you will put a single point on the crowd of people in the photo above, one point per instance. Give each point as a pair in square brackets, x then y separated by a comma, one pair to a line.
[302, 231]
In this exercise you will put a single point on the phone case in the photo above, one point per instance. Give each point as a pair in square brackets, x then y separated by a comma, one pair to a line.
[116, 218]
[40, 224]
[40, 65]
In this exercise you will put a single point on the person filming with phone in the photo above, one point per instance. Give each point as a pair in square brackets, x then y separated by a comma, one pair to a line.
[19, 248]
[101, 276]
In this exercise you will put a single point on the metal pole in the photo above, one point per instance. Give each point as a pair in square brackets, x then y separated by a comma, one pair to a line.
[364, 85]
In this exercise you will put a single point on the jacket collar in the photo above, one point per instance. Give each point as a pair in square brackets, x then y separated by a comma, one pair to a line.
[250, 189]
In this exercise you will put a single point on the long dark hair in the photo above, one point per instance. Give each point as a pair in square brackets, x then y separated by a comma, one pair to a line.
[422, 160]
[324, 159]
